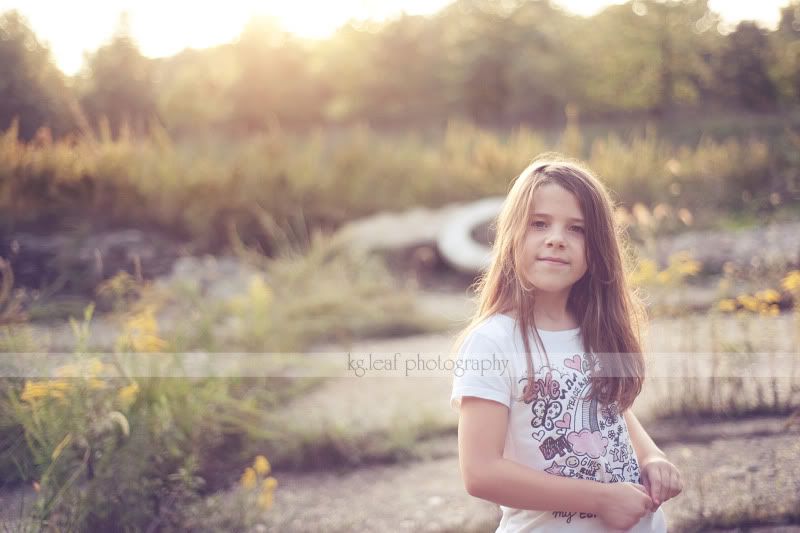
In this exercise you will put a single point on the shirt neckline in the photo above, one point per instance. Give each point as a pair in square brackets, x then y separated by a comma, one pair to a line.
[549, 332]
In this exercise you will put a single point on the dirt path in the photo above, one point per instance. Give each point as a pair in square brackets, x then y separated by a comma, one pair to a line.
[731, 467]
[736, 467]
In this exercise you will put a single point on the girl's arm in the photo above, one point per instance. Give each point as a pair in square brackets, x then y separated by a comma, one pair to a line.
[481, 438]
[643, 445]
[661, 478]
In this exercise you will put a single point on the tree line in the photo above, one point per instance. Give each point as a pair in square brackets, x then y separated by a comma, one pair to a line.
[490, 62]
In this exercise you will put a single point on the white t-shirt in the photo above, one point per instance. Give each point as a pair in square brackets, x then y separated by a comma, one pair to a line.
[560, 432]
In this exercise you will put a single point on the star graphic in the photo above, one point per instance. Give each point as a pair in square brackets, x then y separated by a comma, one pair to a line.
[555, 469]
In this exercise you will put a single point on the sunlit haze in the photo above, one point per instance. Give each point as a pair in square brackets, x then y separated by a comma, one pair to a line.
[163, 28]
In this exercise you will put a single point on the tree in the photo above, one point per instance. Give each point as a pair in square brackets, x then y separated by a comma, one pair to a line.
[117, 83]
[482, 62]
[543, 73]
[786, 45]
[404, 82]
[742, 70]
[275, 83]
[32, 89]
[194, 89]
[647, 55]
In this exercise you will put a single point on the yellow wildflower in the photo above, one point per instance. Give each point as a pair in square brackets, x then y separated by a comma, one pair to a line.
[748, 302]
[645, 272]
[265, 500]
[261, 465]
[774, 310]
[683, 264]
[769, 296]
[792, 281]
[727, 305]
[141, 332]
[96, 384]
[663, 277]
[95, 367]
[127, 394]
[267, 492]
[248, 480]
[35, 390]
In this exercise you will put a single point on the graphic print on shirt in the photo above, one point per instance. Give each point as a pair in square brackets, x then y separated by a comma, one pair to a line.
[578, 436]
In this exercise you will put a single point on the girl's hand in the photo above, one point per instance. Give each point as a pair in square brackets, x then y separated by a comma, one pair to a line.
[661, 479]
[624, 505]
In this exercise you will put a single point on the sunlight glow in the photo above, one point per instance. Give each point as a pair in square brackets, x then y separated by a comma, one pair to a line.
[165, 27]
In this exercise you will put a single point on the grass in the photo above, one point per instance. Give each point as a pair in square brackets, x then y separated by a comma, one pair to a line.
[339, 446]
[197, 190]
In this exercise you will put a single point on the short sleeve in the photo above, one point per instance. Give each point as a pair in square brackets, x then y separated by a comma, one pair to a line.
[481, 370]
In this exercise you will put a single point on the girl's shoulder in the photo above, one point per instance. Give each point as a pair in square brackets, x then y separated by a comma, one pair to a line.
[497, 328]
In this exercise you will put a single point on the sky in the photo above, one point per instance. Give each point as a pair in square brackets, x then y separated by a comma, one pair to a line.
[165, 27]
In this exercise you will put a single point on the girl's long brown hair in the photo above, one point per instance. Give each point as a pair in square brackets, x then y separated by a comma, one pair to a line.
[608, 312]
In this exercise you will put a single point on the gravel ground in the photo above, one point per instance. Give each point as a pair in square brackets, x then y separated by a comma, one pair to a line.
[738, 469]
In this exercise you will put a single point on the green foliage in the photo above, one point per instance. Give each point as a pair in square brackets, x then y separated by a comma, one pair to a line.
[110, 451]
[647, 55]
[743, 69]
[492, 63]
[117, 85]
[32, 90]
[275, 84]
[194, 90]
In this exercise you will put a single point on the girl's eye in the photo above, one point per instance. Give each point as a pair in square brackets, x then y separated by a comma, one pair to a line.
[540, 224]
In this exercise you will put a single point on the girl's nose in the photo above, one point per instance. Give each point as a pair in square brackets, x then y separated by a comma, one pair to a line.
[555, 240]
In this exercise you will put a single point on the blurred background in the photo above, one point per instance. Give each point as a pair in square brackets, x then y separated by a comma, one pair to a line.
[276, 178]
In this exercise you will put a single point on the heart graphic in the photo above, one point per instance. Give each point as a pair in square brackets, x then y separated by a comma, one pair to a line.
[564, 422]
[539, 435]
[574, 363]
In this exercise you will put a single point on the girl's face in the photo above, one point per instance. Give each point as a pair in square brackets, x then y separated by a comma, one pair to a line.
[554, 247]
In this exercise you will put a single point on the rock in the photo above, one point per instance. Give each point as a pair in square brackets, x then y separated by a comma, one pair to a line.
[86, 259]
[455, 240]
[395, 231]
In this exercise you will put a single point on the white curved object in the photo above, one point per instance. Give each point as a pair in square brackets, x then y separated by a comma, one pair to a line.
[455, 241]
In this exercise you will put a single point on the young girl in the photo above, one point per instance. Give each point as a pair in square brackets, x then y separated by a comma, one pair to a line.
[549, 434]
